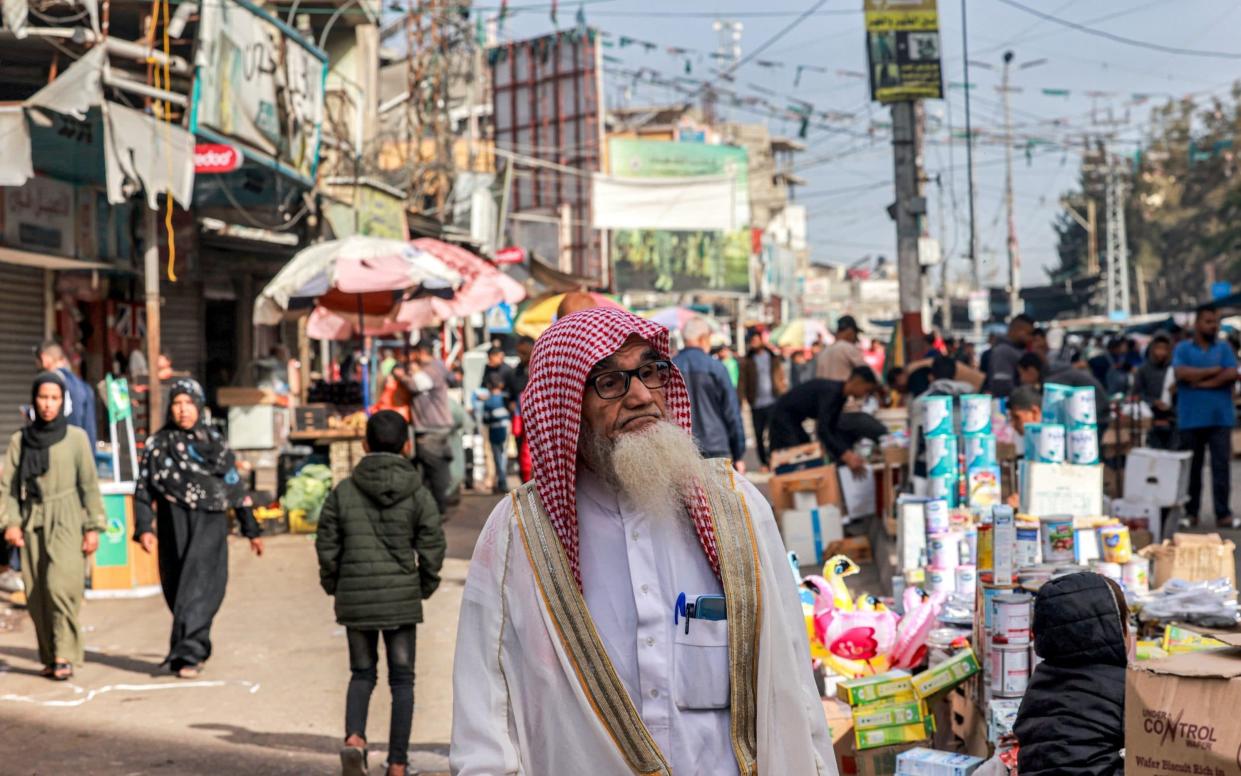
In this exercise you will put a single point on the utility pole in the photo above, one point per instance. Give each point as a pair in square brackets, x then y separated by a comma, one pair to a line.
[1117, 243]
[1014, 255]
[945, 309]
[908, 209]
[1090, 223]
[150, 272]
[969, 148]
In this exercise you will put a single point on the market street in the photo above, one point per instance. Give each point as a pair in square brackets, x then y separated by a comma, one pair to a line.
[271, 700]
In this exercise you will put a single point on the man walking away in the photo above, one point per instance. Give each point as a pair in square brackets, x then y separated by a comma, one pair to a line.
[1152, 384]
[380, 545]
[497, 419]
[1206, 370]
[432, 418]
[1003, 357]
[839, 359]
[79, 397]
[713, 402]
[762, 381]
[822, 401]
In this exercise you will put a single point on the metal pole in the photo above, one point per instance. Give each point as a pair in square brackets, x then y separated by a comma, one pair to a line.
[1014, 257]
[150, 270]
[969, 148]
[910, 205]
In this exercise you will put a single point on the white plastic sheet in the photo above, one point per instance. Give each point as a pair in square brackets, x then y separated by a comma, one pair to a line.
[673, 204]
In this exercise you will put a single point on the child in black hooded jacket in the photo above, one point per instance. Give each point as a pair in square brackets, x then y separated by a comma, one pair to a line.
[1072, 718]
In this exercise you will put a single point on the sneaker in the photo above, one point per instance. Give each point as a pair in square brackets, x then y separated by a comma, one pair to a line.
[11, 582]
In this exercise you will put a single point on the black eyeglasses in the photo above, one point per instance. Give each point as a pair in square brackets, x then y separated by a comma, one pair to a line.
[614, 385]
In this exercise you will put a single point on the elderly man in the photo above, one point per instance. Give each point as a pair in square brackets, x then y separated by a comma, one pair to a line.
[715, 410]
[631, 610]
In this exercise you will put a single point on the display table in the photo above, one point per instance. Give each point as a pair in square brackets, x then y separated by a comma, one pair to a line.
[120, 569]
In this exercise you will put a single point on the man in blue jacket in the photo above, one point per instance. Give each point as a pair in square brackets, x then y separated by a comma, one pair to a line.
[80, 398]
[714, 405]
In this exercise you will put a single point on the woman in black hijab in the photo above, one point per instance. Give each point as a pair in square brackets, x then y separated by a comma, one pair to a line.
[52, 511]
[187, 482]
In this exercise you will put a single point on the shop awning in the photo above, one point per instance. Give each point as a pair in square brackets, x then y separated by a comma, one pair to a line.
[43, 261]
[137, 150]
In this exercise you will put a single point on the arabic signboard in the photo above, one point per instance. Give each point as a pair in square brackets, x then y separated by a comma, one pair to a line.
[259, 83]
[678, 260]
[902, 46]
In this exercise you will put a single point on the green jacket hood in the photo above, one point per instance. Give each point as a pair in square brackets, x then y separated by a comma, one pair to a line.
[386, 478]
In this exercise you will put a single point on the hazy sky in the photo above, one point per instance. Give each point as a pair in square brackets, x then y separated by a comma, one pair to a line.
[849, 173]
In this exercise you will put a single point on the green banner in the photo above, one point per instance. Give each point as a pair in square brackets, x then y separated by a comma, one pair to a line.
[119, 407]
[114, 540]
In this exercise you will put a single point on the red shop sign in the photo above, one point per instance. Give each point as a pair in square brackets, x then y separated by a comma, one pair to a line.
[213, 158]
[511, 255]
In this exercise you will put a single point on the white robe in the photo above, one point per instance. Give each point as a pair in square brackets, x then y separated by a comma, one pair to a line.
[518, 707]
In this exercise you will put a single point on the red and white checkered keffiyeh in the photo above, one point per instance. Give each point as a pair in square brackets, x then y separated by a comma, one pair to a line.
[552, 408]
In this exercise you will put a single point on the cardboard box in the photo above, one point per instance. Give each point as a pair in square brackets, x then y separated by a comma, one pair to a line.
[952, 671]
[1144, 518]
[855, 548]
[1061, 489]
[1180, 714]
[247, 397]
[881, 761]
[820, 481]
[795, 459]
[258, 427]
[928, 762]
[858, 492]
[1158, 476]
[886, 714]
[840, 725]
[809, 532]
[896, 734]
[869, 689]
[1192, 557]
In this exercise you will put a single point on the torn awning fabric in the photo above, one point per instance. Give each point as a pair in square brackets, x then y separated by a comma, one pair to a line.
[552, 408]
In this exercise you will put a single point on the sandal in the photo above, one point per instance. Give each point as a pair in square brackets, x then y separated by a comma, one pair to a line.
[46, 672]
[62, 671]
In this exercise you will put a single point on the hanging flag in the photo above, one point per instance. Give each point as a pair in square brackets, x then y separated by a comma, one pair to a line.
[581, 16]
[555, 22]
[503, 15]
[625, 41]
[1056, 92]
[803, 68]
[689, 68]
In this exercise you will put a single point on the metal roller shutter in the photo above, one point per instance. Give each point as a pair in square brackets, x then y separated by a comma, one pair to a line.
[181, 325]
[21, 331]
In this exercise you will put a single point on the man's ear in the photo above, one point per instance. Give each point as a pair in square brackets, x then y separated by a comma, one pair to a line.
[366, 446]
[408, 449]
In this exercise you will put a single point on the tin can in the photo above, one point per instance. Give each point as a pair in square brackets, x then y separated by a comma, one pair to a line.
[1057, 538]
[940, 580]
[937, 517]
[1010, 670]
[984, 547]
[969, 550]
[976, 413]
[1055, 399]
[1135, 575]
[1080, 408]
[980, 451]
[1026, 553]
[936, 415]
[1115, 544]
[944, 550]
[1010, 617]
[1108, 569]
[988, 591]
[1044, 442]
[941, 456]
[967, 579]
[1083, 446]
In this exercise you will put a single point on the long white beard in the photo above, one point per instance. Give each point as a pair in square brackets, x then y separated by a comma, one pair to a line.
[658, 468]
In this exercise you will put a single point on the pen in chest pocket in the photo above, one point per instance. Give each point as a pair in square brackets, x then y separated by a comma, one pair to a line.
[703, 607]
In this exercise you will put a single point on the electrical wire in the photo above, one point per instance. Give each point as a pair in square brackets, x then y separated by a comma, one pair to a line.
[1121, 38]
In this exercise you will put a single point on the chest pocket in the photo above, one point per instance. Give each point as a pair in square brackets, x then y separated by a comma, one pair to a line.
[700, 670]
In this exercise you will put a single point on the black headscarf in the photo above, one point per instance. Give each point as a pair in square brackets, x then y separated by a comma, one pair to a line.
[193, 467]
[37, 439]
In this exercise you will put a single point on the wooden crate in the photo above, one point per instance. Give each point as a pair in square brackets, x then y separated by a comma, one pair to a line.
[343, 456]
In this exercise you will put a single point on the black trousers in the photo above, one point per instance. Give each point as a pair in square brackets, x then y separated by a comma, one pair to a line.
[363, 666]
[433, 455]
[761, 418]
[193, 571]
[786, 431]
[1218, 439]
